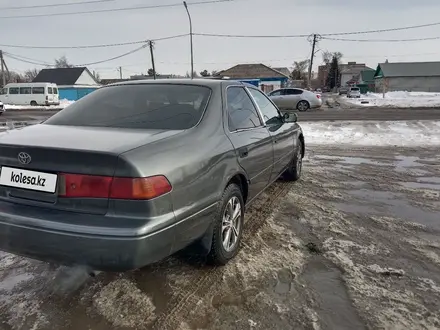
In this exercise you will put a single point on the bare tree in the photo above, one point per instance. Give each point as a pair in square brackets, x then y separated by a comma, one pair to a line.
[327, 56]
[205, 73]
[62, 62]
[299, 71]
[31, 74]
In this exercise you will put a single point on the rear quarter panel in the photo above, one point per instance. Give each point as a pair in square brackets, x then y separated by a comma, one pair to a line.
[195, 162]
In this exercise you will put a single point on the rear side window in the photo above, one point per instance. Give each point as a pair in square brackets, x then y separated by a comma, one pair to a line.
[25, 90]
[14, 90]
[242, 113]
[37, 90]
[276, 93]
[49, 90]
[292, 91]
[143, 106]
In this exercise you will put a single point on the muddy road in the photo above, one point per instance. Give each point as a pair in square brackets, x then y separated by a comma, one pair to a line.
[354, 245]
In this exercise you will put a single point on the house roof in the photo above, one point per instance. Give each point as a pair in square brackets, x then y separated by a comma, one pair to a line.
[367, 75]
[283, 70]
[408, 69]
[353, 68]
[61, 76]
[250, 71]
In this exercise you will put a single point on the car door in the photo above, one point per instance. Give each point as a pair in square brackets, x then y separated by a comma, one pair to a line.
[282, 133]
[250, 138]
[293, 96]
[277, 97]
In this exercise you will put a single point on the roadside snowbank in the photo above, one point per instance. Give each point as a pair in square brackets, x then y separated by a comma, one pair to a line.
[369, 133]
[398, 99]
[63, 103]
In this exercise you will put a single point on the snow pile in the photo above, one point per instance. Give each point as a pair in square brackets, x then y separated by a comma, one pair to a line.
[366, 133]
[63, 103]
[399, 99]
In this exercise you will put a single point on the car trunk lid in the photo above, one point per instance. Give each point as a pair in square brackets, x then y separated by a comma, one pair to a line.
[34, 158]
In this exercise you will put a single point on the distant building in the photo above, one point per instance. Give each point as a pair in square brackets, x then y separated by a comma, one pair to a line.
[73, 83]
[408, 76]
[350, 73]
[260, 75]
[322, 75]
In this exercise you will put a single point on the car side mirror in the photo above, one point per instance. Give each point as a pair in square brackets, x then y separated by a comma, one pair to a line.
[290, 118]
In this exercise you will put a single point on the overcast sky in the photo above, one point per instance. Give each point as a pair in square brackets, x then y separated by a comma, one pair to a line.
[248, 17]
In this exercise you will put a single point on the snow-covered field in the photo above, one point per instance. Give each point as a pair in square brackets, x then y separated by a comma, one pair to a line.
[372, 133]
[63, 103]
[398, 99]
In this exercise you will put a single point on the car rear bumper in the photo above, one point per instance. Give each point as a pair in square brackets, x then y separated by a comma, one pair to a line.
[105, 252]
[98, 252]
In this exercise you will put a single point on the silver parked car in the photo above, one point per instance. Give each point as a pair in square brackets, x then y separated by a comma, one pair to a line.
[354, 92]
[137, 171]
[295, 98]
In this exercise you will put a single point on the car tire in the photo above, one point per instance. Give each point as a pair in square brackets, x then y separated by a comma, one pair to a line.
[294, 171]
[303, 105]
[231, 202]
[34, 103]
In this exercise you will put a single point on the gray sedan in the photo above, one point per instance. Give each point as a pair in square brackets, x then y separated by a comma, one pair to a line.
[137, 171]
[295, 98]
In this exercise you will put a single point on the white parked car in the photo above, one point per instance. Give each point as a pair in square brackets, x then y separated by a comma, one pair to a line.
[30, 94]
[295, 98]
[354, 92]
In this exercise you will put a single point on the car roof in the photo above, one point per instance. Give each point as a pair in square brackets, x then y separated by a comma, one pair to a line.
[185, 81]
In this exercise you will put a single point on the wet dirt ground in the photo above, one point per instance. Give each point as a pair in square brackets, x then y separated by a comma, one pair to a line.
[354, 245]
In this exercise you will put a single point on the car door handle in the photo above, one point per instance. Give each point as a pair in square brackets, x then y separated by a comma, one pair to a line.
[243, 152]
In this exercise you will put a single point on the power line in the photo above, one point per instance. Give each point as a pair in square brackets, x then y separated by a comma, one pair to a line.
[56, 5]
[322, 34]
[41, 63]
[250, 36]
[382, 40]
[20, 57]
[117, 9]
[116, 57]
[96, 46]
[383, 30]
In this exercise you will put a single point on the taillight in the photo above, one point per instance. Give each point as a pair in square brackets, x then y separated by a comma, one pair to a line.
[90, 186]
[47, 97]
[318, 96]
[139, 188]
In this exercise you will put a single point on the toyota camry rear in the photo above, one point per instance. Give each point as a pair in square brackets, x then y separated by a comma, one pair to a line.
[78, 188]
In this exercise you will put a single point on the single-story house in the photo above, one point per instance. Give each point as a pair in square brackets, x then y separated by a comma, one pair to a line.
[366, 81]
[73, 83]
[350, 72]
[260, 75]
[408, 76]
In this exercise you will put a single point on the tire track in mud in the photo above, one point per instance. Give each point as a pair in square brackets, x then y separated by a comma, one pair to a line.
[183, 302]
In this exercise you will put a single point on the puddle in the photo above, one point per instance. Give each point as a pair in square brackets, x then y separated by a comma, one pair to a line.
[404, 163]
[387, 204]
[421, 185]
[335, 308]
[351, 160]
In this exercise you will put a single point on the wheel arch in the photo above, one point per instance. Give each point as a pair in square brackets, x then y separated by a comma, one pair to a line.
[240, 179]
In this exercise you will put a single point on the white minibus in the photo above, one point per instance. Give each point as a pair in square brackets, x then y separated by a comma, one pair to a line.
[30, 94]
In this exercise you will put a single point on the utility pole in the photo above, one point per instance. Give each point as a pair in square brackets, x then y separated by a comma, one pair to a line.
[3, 69]
[311, 60]
[120, 72]
[151, 44]
[190, 38]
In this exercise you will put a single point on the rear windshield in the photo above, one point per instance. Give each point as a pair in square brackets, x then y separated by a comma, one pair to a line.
[355, 89]
[144, 106]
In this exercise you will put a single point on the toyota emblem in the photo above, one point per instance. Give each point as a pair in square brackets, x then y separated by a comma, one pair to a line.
[24, 158]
